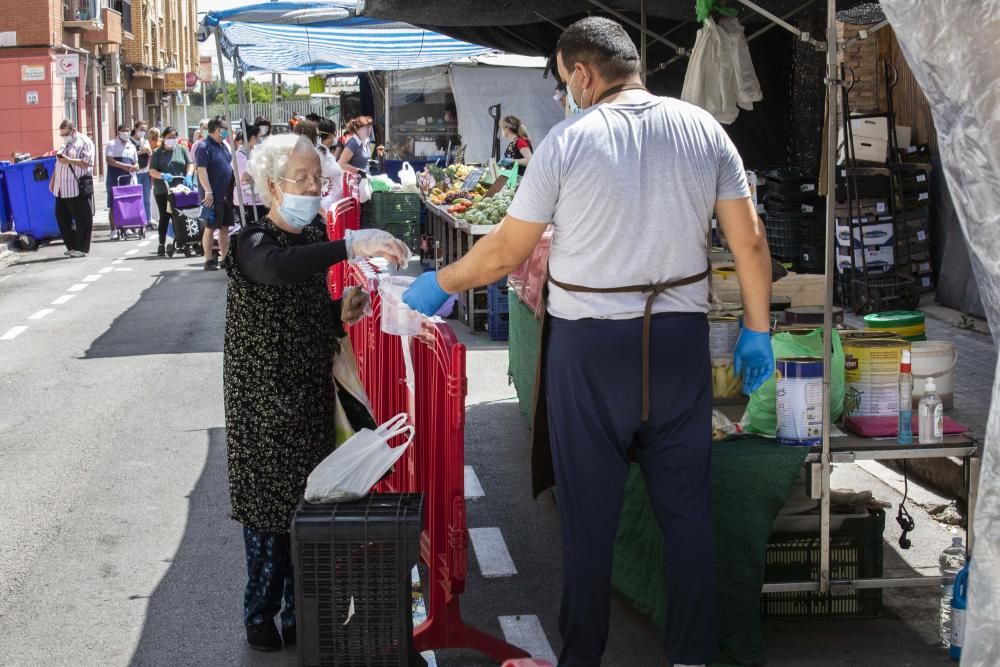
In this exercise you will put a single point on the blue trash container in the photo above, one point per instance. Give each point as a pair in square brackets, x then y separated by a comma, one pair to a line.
[6, 224]
[31, 206]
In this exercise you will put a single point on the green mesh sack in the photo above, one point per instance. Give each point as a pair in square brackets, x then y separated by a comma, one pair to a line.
[761, 415]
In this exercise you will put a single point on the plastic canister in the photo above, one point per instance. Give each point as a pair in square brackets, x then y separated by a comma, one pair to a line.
[910, 324]
[398, 319]
[871, 375]
[799, 399]
[959, 604]
[935, 359]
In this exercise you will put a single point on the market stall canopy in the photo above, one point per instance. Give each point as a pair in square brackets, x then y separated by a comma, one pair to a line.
[532, 28]
[326, 36]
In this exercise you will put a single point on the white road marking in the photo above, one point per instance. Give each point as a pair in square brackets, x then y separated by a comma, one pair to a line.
[118, 261]
[63, 299]
[93, 278]
[42, 313]
[473, 489]
[106, 269]
[13, 333]
[132, 251]
[492, 553]
[143, 244]
[122, 270]
[526, 632]
[79, 287]
[7, 277]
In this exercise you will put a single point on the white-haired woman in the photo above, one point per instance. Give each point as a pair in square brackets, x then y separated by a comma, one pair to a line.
[282, 330]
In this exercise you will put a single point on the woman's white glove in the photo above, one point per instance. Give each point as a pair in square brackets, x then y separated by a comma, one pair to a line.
[355, 304]
[376, 243]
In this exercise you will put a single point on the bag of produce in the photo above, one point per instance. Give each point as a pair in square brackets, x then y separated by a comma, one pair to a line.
[761, 415]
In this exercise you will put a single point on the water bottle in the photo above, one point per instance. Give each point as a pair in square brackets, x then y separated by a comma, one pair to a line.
[931, 416]
[959, 603]
[952, 561]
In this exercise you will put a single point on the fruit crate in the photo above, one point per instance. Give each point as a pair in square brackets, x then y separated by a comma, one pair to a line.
[394, 208]
[856, 551]
[352, 562]
[407, 232]
[498, 326]
[496, 297]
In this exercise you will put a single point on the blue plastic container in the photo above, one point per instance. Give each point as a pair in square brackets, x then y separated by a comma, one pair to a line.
[32, 207]
[6, 223]
[959, 603]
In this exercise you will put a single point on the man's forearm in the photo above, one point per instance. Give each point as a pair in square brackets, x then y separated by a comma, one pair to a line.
[753, 268]
[203, 178]
[485, 263]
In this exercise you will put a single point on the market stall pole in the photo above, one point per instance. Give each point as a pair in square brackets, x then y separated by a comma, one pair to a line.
[244, 123]
[225, 100]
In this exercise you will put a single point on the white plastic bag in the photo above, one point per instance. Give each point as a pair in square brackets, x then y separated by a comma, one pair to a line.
[355, 467]
[710, 81]
[364, 190]
[408, 178]
[747, 86]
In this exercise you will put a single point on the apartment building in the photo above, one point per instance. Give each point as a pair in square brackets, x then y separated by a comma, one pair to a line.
[59, 59]
[161, 62]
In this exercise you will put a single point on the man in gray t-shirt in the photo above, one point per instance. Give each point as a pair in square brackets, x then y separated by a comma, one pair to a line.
[629, 186]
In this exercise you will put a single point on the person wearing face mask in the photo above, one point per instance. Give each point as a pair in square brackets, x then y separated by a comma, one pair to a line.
[331, 169]
[215, 174]
[627, 273]
[519, 145]
[144, 152]
[169, 165]
[74, 211]
[265, 127]
[123, 160]
[282, 335]
[198, 138]
[357, 151]
[253, 203]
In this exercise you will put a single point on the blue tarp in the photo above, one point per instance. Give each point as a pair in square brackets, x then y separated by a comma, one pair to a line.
[327, 37]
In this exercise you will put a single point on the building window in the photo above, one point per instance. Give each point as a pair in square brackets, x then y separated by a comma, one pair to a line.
[70, 94]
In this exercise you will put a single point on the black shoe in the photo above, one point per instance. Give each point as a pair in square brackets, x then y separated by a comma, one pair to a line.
[211, 266]
[289, 635]
[264, 637]
[161, 251]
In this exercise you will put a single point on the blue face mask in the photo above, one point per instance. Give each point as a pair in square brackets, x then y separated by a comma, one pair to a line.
[570, 100]
[299, 210]
[225, 134]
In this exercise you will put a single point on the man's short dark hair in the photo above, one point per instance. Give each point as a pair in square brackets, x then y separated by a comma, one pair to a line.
[327, 127]
[67, 125]
[601, 43]
[314, 117]
[123, 127]
[260, 120]
[253, 131]
[308, 129]
[216, 123]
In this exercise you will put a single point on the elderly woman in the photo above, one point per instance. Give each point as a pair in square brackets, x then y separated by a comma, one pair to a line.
[282, 330]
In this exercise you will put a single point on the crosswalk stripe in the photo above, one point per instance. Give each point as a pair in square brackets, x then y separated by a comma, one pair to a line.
[13, 333]
[492, 553]
[526, 632]
[473, 489]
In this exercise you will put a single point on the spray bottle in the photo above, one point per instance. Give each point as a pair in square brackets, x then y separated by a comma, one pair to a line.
[905, 430]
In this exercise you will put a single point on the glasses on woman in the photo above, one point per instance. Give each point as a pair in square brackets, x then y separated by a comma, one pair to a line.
[323, 182]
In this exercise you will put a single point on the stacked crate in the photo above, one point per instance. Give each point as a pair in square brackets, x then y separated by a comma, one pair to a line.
[397, 213]
[866, 229]
[794, 219]
[913, 223]
[498, 320]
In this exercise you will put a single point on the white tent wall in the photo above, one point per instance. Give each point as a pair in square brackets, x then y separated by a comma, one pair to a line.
[522, 92]
[953, 50]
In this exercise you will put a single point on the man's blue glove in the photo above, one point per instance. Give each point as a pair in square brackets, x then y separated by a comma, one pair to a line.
[753, 359]
[189, 182]
[506, 162]
[425, 294]
[167, 178]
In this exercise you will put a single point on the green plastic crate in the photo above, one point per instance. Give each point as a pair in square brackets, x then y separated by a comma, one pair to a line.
[856, 552]
[407, 232]
[389, 208]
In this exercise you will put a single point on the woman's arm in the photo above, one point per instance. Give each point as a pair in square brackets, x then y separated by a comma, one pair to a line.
[526, 152]
[263, 260]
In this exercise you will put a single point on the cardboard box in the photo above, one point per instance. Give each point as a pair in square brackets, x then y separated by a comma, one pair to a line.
[871, 128]
[903, 136]
[871, 235]
[876, 260]
[866, 149]
[922, 268]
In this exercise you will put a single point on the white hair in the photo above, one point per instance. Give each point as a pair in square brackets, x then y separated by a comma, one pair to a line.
[270, 158]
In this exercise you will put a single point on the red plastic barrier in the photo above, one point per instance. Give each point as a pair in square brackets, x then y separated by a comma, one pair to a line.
[434, 465]
[344, 215]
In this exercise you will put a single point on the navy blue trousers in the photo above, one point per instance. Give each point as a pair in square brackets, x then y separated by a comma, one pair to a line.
[269, 578]
[594, 390]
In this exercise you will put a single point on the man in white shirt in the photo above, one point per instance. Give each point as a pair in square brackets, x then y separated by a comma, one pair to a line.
[75, 161]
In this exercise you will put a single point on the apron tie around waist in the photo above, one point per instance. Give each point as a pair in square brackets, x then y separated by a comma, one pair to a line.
[653, 290]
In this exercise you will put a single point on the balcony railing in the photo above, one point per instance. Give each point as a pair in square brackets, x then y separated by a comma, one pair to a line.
[84, 14]
[124, 7]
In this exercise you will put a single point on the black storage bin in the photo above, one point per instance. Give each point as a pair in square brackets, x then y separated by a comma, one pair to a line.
[358, 554]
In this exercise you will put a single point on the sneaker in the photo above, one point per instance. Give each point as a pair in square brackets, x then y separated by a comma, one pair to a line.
[289, 636]
[68, 253]
[211, 266]
[161, 251]
[114, 235]
[77, 254]
[264, 637]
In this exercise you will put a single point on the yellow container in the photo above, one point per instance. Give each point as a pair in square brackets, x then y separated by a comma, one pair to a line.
[871, 375]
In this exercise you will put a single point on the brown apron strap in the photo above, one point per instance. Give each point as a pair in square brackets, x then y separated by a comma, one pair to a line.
[653, 290]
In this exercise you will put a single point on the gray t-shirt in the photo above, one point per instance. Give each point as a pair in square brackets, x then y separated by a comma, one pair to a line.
[630, 190]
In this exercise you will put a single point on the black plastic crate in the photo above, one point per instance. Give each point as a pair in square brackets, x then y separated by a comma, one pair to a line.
[862, 186]
[856, 552]
[915, 154]
[496, 297]
[791, 185]
[356, 558]
[783, 238]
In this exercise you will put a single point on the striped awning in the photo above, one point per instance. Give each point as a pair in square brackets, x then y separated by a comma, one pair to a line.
[326, 37]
